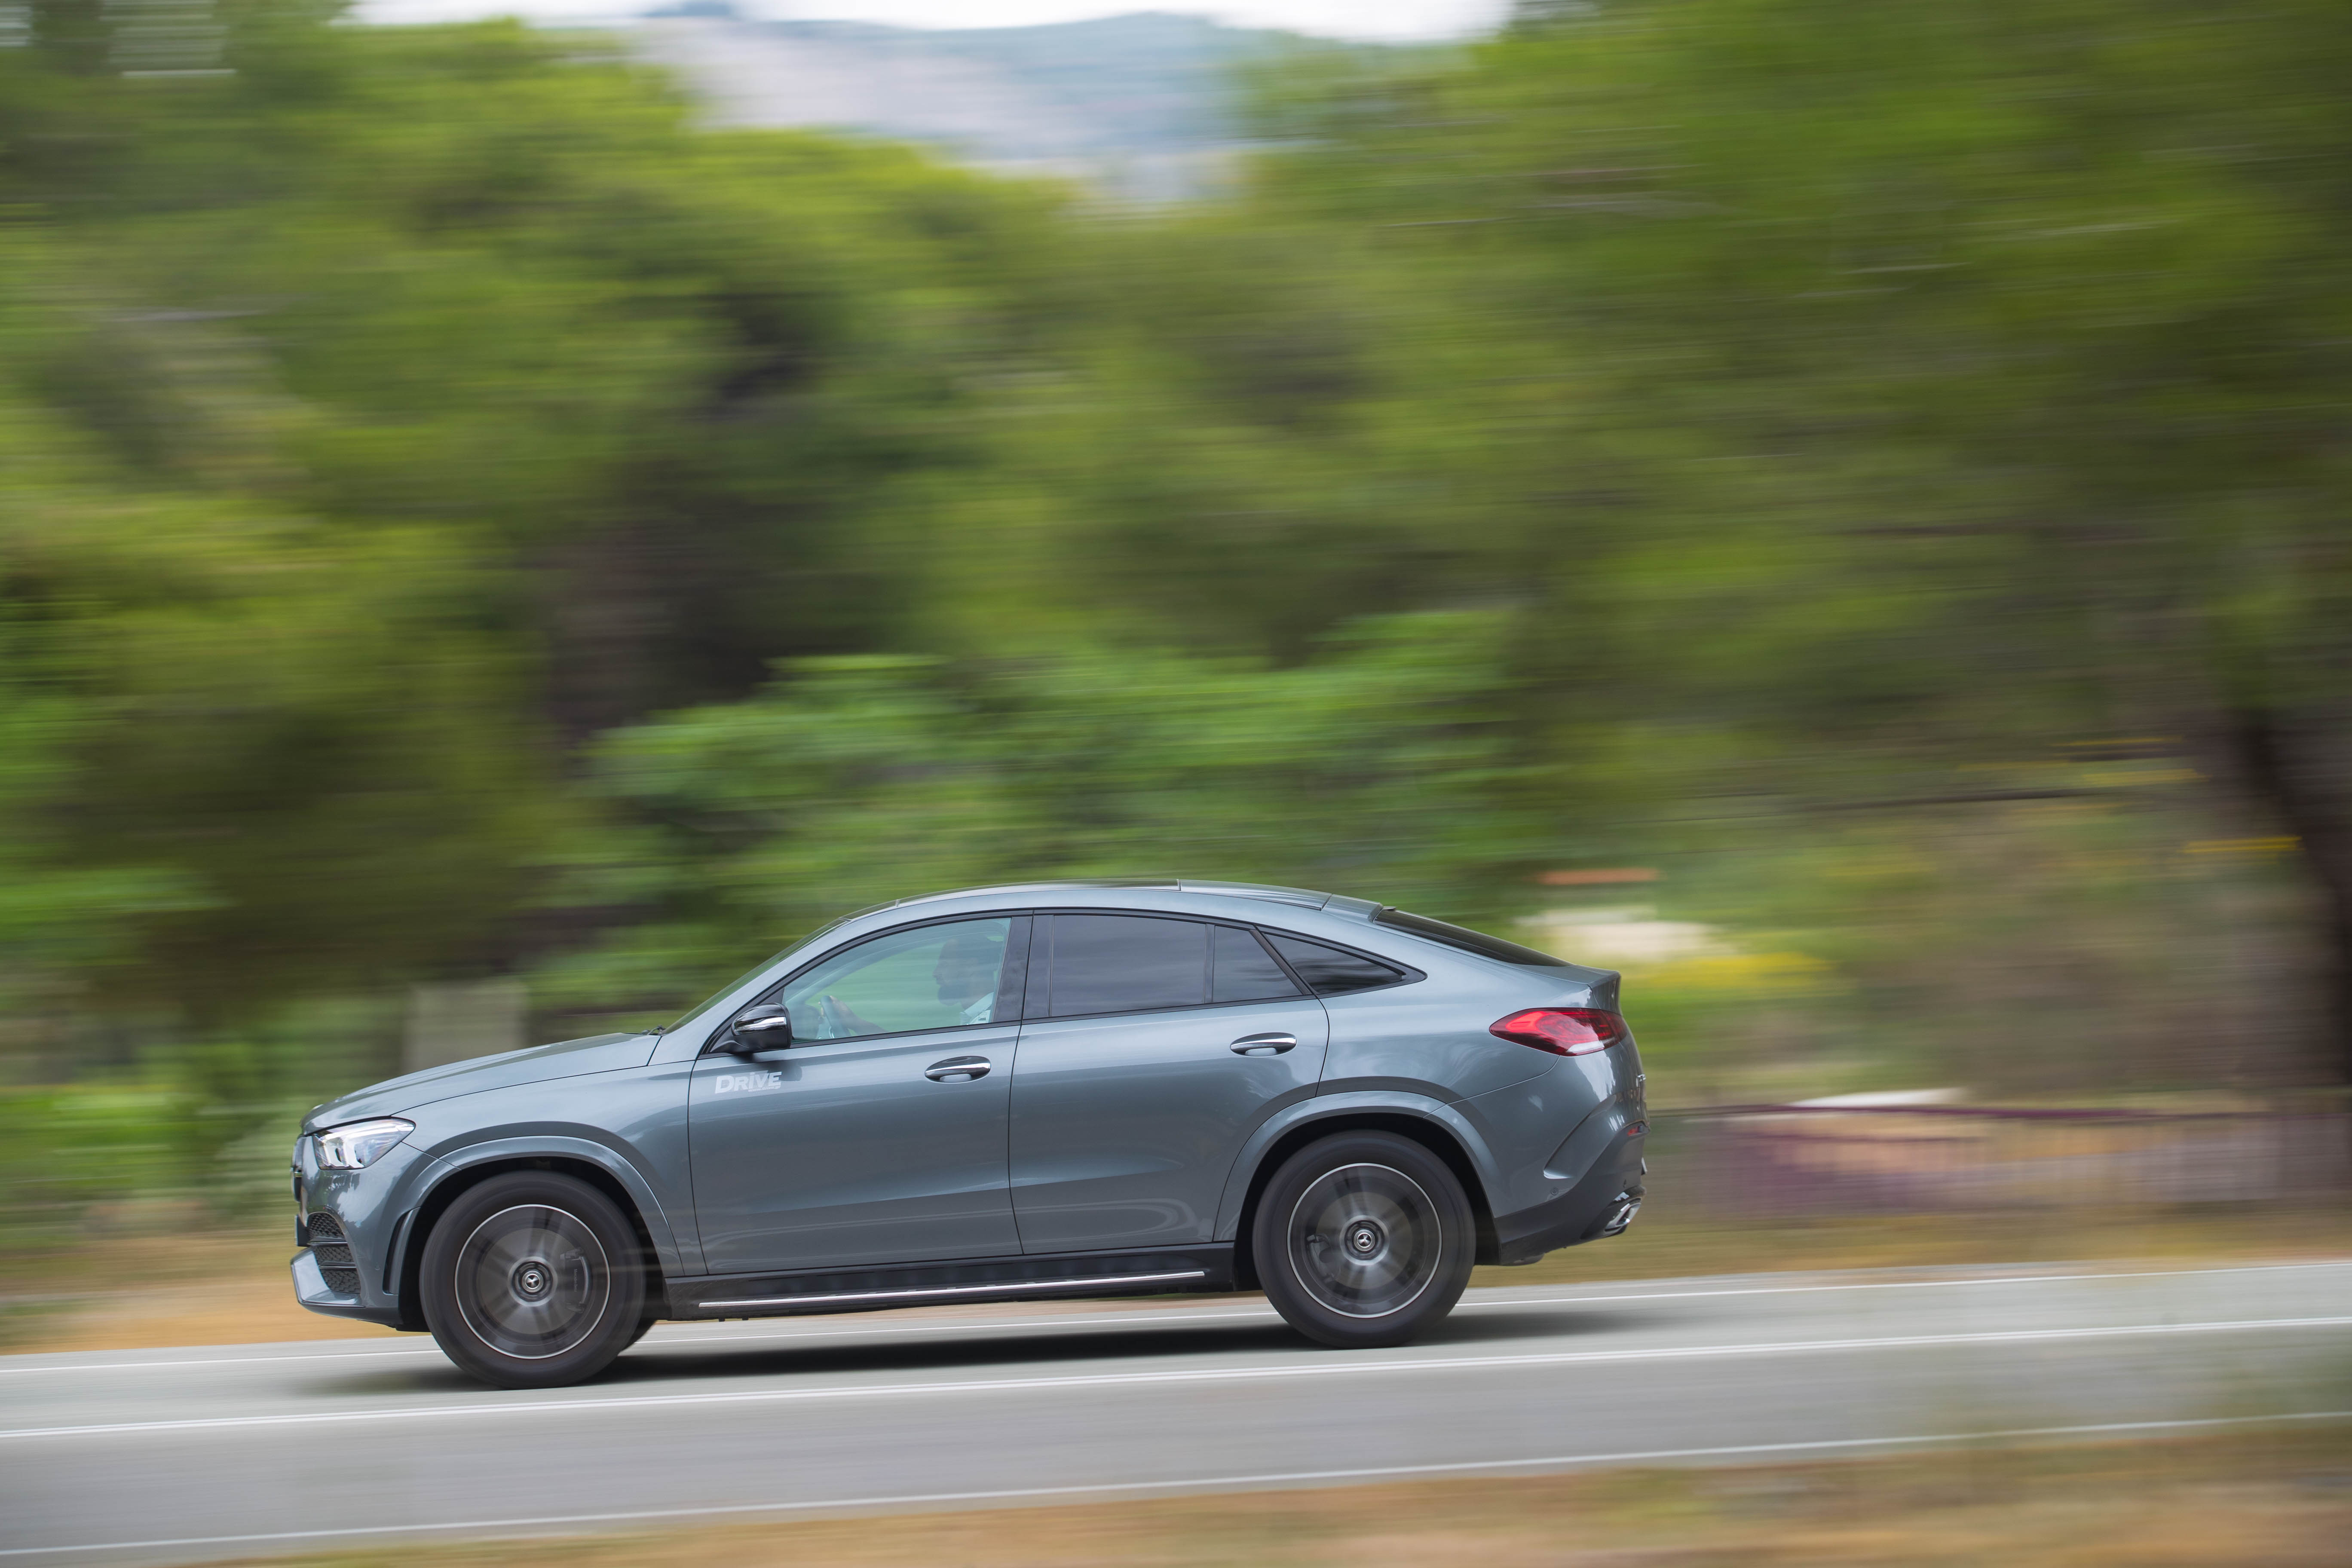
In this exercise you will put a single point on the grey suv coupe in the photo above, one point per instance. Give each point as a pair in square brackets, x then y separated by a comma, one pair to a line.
[1054, 1090]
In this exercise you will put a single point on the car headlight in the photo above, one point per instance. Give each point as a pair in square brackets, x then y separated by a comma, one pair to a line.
[357, 1144]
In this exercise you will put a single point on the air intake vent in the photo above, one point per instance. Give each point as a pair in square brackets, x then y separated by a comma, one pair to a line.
[332, 1250]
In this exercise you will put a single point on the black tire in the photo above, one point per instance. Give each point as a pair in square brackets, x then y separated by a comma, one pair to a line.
[533, 1280]
[1363, 1239]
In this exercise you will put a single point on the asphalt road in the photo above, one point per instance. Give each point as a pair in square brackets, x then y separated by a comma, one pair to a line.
[180, 1455]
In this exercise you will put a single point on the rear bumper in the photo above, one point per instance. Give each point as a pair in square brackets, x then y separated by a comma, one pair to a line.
[1600, 1205]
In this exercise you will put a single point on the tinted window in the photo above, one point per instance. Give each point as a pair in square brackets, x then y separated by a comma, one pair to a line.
[1127, 963]
[1243, 970]
[1329, 972]
[1469, 941]
[932, 977]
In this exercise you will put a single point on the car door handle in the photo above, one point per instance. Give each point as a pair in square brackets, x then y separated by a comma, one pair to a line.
[957, 1070]
[1265, 1045]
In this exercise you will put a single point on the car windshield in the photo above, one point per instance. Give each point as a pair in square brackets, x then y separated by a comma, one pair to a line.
[747, 975]
[1469, 941]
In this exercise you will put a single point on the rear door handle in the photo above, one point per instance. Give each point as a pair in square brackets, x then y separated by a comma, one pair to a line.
[1265, 1045]
[957, 1070]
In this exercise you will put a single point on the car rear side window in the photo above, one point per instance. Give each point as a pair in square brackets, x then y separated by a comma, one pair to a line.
[1241, 970]
[1330, 971]
[1126, 963]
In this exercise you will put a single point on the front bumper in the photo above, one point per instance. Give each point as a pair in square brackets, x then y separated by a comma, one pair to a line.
[312, 1290]
[349, 1227]
[1602, 1204]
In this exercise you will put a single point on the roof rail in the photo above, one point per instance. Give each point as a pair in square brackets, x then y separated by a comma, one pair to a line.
[1305, 896]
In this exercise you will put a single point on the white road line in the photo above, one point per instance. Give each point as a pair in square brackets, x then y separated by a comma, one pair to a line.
[1231, 1314]
[1899, 1284]
[670, 1342]
[343, 1420]
[1254, 1481]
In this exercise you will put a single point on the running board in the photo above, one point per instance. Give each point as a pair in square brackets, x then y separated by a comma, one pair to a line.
[1026, 1286]
[1068, 1274]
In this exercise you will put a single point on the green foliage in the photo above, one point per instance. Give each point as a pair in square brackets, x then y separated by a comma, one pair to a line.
[1882, 467]
[1388, 764]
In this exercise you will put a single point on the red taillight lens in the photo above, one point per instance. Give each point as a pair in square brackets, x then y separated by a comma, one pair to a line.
[1562, 1031]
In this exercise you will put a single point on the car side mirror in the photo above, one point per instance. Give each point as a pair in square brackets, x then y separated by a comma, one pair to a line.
[768, 1028]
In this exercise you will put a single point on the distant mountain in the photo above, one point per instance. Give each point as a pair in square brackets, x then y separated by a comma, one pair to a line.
[1139, 103]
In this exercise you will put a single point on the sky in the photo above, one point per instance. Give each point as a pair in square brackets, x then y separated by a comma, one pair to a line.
[1330, 18]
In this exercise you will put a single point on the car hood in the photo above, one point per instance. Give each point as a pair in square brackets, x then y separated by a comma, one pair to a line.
[564, 1058]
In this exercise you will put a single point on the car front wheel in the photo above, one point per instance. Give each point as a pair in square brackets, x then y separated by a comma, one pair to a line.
[533, 1280]
[1363, 1239]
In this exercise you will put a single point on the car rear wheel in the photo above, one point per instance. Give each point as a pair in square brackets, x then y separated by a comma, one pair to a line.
[533, 1280]
[1363, 1239]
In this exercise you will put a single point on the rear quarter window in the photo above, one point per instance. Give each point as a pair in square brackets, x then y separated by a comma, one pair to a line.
[1332, 970]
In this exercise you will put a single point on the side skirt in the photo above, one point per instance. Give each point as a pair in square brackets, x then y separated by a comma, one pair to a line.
[1037, 1277]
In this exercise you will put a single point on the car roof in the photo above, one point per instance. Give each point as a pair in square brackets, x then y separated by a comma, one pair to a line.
[1305, 897]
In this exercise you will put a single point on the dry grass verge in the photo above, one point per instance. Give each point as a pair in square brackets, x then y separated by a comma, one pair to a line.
[1676, 1245]
[2263, 1497]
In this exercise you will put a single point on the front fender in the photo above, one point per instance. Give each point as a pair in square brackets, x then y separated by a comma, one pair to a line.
[1331, 1107]
[676, 1254]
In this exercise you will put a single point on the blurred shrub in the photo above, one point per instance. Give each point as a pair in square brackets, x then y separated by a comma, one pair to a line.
[1389, 763]
[61, 1149]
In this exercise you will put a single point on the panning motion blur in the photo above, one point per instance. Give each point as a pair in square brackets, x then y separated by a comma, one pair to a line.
[1048, 1090]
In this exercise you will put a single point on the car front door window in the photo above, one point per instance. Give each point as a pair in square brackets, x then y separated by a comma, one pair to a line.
[932, 977]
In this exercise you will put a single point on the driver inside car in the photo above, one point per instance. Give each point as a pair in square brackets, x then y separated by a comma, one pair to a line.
[965, 975]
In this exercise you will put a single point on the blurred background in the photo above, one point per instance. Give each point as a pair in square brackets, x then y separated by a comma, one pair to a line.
[1839, 511]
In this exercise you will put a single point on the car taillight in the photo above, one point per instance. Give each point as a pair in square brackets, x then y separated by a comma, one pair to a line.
[1562, 1031]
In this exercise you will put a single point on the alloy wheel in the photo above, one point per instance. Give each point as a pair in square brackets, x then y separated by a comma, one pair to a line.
[533, 1282]
[1366, 1240]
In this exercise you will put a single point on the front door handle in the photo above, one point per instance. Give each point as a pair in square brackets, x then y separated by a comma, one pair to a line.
[1265, 1045]
[957, 1070]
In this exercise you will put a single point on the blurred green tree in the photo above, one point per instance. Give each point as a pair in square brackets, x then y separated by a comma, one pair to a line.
[1389, 762]
[1895, 391]
[455, 513]
[394, 411]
